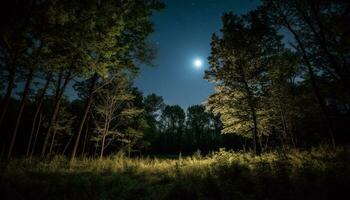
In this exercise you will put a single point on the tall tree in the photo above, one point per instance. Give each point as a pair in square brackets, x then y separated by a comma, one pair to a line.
[238, 68]
[319, 48]
[112, 112]
[16, 18]
[119, 41]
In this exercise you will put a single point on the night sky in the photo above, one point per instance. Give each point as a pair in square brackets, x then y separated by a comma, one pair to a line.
[182, 34]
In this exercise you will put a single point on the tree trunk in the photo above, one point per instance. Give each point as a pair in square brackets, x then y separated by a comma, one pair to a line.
[52, 140]
[267, 142]
[105, 132]
[66, 147]
[13, 62]
[86, 135]
[37, 111]
[318, 94]
[36, 135]
[257, 150]
[312, 78]
[86, 111]
[20, 111]
[48, 132]
[6, 101]
[102, 146]
[60, 92]
[284, 124]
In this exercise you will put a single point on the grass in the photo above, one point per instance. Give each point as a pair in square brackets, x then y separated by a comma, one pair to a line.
[319, 173]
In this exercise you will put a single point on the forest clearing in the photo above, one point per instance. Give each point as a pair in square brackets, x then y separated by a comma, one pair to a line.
[319, 173]
[174, 99]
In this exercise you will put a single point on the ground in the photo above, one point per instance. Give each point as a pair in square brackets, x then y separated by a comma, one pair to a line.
[318, 173]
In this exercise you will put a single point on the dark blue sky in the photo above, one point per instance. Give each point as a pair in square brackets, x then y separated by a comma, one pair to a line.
[182, 33]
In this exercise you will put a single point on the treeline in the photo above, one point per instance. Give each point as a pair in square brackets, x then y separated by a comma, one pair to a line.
[67, 70]
[282, 73]
[119, 119]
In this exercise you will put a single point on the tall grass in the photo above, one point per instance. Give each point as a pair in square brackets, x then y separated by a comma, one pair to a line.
[319, 173]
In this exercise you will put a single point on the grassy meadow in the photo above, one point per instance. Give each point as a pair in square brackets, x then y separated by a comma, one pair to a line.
[319, 173]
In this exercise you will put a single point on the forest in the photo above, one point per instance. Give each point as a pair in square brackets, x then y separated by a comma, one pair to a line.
[74, 125]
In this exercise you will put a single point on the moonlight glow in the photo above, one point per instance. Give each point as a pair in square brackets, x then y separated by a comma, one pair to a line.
[198, 63]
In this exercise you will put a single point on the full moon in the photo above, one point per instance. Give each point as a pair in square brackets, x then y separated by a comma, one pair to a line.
[198, 63]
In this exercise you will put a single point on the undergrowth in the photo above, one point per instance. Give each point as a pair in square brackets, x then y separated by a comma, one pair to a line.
[319, 173]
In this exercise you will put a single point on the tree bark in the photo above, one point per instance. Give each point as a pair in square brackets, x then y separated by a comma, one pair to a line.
[20, 111]
[59, 95]
[86, 111]
[66, 147]
[52, 140]
[36, 135]
[102, 146]
[37, 111]
[257, 150]
[86, 135]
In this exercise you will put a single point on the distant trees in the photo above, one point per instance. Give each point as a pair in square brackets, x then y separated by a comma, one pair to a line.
[172, 126]
[177, 131]
[199, 126]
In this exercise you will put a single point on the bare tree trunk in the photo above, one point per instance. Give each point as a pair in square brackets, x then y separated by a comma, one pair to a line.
[48, 132]
[60, 92]
[86, 111]
[106, 130]
[37, 111]
[86, 135]
[52, 140]
[20, 111]
[102, 146]
[284, 126]
[36, 135]
[68, 143]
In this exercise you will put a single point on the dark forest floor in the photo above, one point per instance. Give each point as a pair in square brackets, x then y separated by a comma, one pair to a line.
[319, 173]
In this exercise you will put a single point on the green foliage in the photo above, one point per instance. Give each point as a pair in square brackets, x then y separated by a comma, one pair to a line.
[239, 63]
[114, 112]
